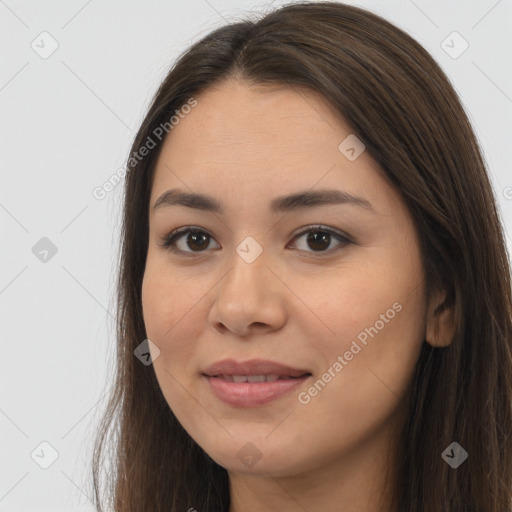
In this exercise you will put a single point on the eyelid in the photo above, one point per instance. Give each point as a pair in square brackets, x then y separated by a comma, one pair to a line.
[326, 229]
[168, 241]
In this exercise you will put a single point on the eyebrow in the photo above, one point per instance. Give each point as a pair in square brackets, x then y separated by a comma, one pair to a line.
[299, 200]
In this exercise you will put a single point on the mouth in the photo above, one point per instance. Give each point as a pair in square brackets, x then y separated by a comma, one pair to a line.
[253, 368]
[269, 377]
[252, 383]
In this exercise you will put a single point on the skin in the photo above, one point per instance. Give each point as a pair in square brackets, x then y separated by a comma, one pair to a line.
[303, 307]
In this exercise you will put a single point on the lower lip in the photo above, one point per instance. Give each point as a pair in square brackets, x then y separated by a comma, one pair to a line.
[252, 394]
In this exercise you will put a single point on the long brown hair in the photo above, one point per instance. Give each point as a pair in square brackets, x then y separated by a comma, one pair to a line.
[401, 105]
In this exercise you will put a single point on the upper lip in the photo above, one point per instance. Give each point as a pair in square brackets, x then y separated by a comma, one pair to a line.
[252, 367]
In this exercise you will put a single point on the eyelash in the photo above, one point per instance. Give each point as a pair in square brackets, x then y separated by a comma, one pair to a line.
[169, 241]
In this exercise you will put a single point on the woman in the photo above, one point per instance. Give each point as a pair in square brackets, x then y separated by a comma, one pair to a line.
[314, 292]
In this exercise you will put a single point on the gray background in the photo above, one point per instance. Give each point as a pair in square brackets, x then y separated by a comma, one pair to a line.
[66, 124]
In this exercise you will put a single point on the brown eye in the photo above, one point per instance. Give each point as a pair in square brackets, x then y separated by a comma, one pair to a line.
[319, 239]
[189, 240]
[196, 240]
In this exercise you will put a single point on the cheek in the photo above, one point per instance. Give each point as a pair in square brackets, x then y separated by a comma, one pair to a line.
[169, 321]
[167, 296]
[167, 309]
[367, 364]
[375, 311]
[383, 352]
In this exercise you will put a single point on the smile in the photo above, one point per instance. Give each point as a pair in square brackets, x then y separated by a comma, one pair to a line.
[252, 390]
[254, 378]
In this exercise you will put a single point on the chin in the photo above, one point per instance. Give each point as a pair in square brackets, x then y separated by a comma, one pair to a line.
[258, 457]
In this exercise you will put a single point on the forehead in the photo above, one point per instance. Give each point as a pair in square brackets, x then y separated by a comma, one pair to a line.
[235, 111]
[253, 142]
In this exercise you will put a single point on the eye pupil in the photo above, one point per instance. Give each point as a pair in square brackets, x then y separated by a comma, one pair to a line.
[194, 236]
[313, 238]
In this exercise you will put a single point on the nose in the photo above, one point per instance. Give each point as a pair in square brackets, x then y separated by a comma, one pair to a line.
[249, 299]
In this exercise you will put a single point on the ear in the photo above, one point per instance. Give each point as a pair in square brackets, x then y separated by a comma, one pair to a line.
[441, 324]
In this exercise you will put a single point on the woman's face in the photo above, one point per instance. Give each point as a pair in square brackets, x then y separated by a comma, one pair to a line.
[341, 303]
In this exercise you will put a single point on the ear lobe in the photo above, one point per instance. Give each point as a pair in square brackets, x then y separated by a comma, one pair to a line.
[441, 324]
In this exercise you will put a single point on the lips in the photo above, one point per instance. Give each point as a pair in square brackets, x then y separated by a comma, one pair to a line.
[253, 370]
[252, 383]
[269, 377]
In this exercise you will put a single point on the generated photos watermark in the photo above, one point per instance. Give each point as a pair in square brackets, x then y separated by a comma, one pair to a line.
[159, 133]
[304, 397]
